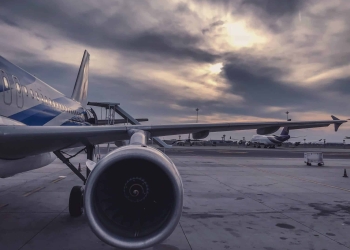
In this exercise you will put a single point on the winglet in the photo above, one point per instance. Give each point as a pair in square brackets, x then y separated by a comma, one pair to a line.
[334, 118]
[336, 125]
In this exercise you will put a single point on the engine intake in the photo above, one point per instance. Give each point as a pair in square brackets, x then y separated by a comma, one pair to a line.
[133, 197]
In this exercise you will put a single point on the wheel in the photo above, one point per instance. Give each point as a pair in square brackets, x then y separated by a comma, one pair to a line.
[320, 164]
[309, 164]
[76, 201]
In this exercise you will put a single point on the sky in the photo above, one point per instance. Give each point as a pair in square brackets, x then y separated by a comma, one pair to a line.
[235, 60]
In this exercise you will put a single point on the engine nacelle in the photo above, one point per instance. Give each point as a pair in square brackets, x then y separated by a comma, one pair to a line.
[200, 135]
[133, 197]
[247, 143]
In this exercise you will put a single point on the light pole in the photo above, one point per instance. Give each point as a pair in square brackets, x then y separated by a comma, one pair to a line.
[287, 115]
[197, 109]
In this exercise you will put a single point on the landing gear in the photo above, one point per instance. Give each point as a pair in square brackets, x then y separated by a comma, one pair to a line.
[76, 201]
[76, 198]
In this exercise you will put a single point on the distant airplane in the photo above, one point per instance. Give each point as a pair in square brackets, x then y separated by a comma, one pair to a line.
[190, 141]
[271, 141]
[132, 197]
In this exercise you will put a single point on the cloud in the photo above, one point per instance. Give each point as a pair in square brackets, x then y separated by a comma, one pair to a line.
[157, 59]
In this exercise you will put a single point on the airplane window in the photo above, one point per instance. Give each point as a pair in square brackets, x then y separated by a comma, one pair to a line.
[32, 93]
[25, 90]
[6, 83]
[18, 87]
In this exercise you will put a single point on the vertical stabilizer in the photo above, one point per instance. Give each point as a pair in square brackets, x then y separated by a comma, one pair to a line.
[285, 131]
[81, 84]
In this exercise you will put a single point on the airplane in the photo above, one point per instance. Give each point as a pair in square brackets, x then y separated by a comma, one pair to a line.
[133, 196]
[271, 141]
[188, 140]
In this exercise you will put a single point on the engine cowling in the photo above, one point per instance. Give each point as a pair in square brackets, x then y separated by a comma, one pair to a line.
[133, 197]
[247, 143]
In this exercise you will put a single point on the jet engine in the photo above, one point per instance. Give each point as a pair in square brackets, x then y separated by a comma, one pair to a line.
[247, 143]
[133, 197]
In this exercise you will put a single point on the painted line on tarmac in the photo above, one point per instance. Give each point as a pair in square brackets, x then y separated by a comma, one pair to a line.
[2, 206]
[58, 179]
[230, 152]
[33, 191]
[301, 179]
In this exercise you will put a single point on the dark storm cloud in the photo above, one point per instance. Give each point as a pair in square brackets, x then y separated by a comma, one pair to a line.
[277, 8]
[212, 25]
[262, 88]
[124, 32]
[339, 85]
[93, 28]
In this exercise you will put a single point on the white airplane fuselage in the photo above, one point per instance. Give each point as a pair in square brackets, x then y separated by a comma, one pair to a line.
[26, 100]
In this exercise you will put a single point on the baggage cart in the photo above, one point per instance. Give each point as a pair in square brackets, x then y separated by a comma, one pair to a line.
[313, 157]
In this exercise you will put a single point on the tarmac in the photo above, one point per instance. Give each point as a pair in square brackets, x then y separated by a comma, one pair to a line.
[253, 200]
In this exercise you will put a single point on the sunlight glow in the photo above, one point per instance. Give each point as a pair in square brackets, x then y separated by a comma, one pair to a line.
[240, 35]
[215, 68]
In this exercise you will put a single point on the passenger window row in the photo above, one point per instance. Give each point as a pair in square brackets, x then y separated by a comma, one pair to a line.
[23, 89]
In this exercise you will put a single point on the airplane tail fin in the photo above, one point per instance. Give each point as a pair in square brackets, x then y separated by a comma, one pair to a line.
[285, 131]
[81, 84]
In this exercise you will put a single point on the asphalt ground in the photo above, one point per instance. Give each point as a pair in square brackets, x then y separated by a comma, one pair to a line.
[198, 151]
[230, 202]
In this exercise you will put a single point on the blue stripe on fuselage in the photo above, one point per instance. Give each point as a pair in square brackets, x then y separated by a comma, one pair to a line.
[37, 115]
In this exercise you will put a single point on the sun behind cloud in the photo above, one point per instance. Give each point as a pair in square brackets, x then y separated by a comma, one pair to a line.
[239, 35]
[215, 68]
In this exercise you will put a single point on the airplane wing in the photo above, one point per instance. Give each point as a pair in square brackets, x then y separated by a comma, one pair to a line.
[21, 141]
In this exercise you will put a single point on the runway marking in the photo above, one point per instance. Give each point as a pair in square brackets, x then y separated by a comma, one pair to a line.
[2, 206]
[60, 178]
[33, 191]
[301, 179]
[231, 152]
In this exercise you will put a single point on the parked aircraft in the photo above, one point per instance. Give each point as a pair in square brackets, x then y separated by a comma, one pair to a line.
[271, 141]
[190, 141]
[133, 196]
